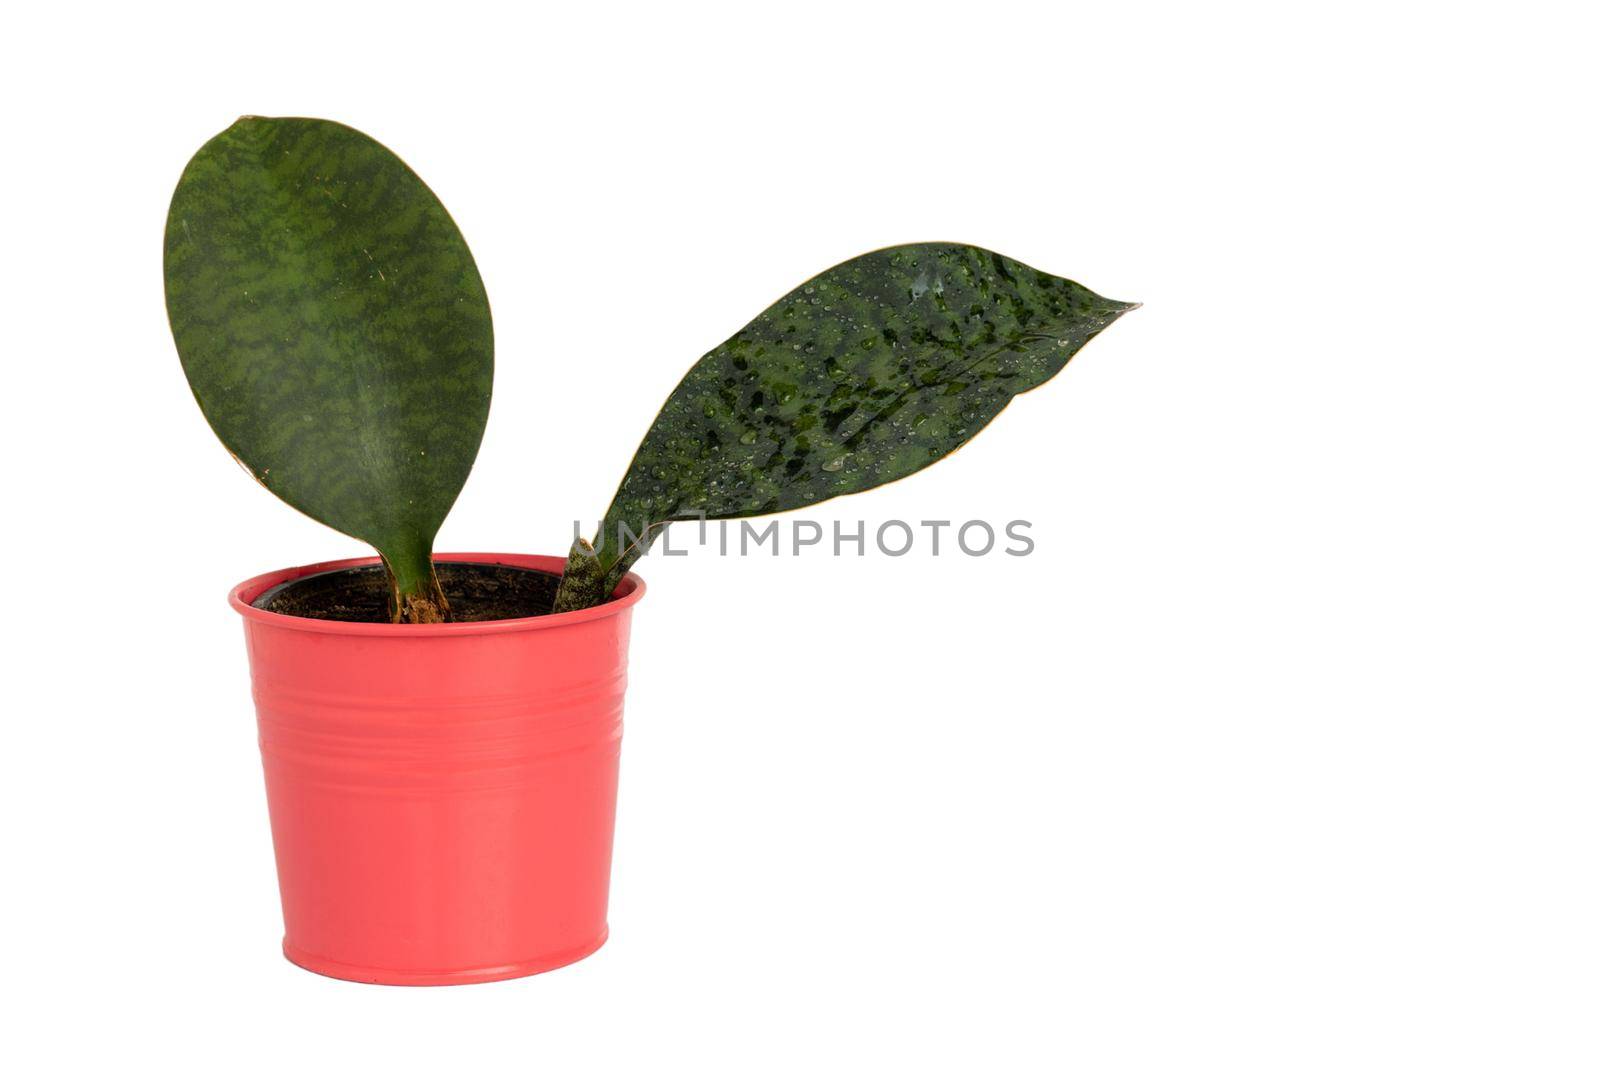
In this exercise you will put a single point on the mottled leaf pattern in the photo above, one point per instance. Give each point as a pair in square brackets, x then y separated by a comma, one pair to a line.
[866, 373]
[334, 330]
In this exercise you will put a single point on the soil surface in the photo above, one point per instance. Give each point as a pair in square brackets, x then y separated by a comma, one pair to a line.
[478, 592]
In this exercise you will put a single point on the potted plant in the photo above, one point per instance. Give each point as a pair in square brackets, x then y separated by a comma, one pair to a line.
[440, 733]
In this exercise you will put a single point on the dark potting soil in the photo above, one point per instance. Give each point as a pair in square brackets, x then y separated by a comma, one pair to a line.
[477, 592]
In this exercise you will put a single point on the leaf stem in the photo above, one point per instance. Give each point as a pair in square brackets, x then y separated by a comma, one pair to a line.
[414, 592]
[583, 581]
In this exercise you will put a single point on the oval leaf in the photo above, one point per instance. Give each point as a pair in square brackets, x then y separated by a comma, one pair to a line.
[866, 373]
[333, 327]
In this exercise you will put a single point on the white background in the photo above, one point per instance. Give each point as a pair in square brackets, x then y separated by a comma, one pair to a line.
[1280, 749]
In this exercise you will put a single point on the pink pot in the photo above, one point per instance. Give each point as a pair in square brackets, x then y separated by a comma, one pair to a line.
[442, 796]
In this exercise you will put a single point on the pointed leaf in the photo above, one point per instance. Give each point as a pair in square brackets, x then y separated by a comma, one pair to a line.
[866, 373]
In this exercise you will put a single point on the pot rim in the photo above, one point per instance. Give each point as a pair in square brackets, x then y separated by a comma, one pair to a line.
[242, 595]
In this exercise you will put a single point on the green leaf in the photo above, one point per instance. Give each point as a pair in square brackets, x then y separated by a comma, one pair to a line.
[868, 372]
[335, 332]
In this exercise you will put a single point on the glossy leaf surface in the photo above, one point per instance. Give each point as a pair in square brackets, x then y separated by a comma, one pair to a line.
[868, 372]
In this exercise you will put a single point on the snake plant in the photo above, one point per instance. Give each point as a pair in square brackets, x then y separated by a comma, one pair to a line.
[337, 337]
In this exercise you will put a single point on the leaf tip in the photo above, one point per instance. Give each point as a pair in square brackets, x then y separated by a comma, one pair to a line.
[1112, 310]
